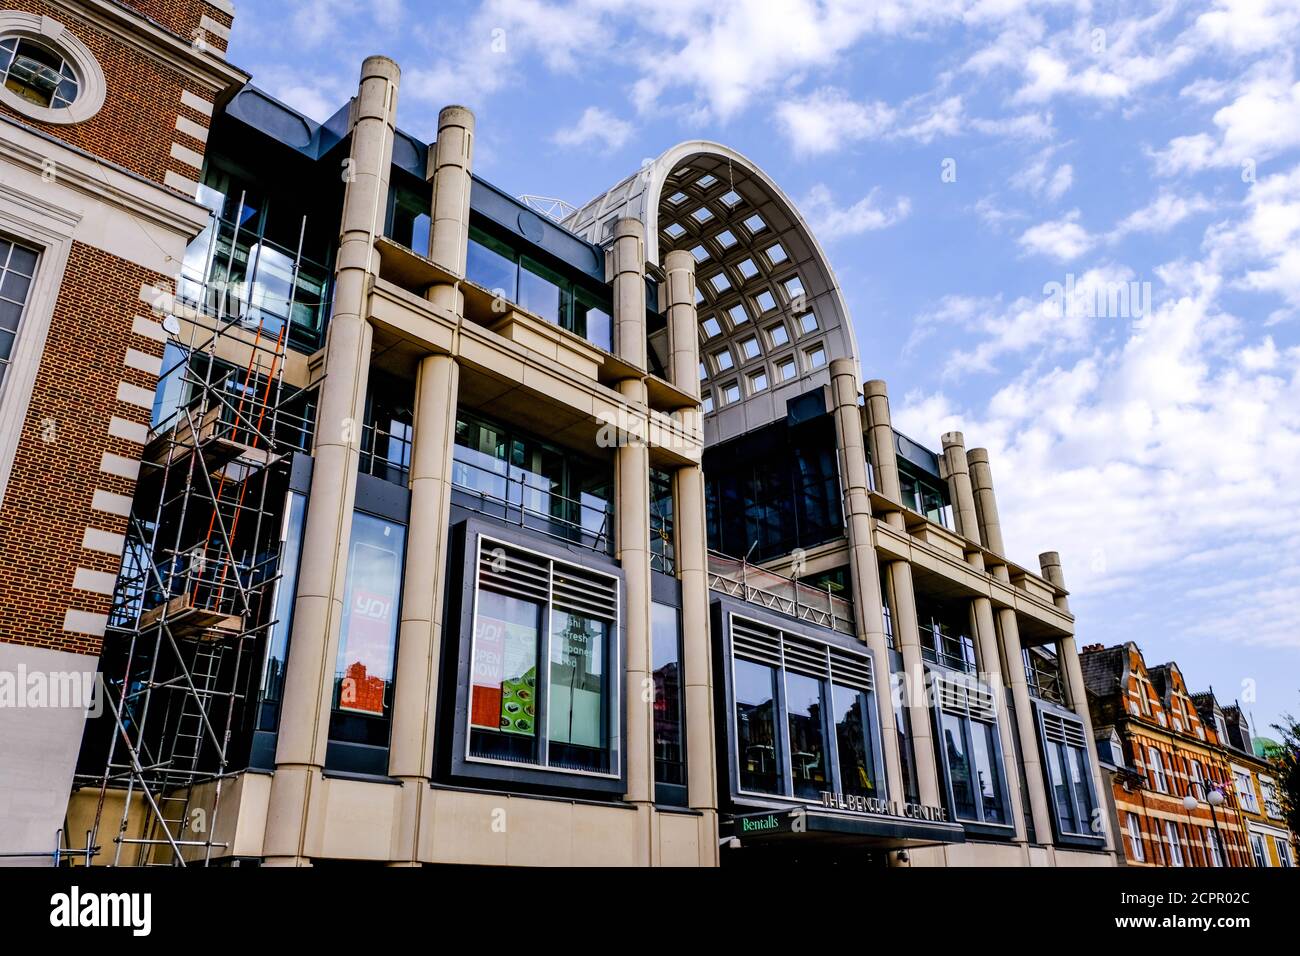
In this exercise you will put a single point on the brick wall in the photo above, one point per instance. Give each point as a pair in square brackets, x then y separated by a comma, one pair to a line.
[48, 504]
[184, 18]
[138, 124]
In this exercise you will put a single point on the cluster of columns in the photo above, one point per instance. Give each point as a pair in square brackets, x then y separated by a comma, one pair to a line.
[318, 611]
[627, 266]
[997, 636]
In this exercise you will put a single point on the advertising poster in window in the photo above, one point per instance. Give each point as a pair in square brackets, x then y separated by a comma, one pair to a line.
[505, 666]
[369, 633]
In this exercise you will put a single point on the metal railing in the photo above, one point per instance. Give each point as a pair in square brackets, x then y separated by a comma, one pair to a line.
[386, 454]
[940, 646]
[756, 585]
[526, 499]
[1043, 675]
[663, 556]
[230, 274]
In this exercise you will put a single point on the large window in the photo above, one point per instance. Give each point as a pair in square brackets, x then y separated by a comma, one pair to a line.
[924, 495]
[1065, 751]
[1283, 848]
[970, 750]
[1272, 806]
[17, 266]
[1157, 767]
[536, 288]
[663, 552]
[669, 702]
[363, 673]
[756, 737]
[1175, 845]
[1216, 851]
[534, 483]
[829, 738]
[1136, 850]
[544, 663]
[1245, 790]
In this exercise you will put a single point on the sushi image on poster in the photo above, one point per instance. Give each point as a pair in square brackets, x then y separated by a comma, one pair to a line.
[504, 695]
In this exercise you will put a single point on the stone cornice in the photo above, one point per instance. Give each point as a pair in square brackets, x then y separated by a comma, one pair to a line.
[206, 71]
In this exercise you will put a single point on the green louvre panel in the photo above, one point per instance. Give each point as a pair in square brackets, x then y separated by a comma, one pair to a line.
[519, 704]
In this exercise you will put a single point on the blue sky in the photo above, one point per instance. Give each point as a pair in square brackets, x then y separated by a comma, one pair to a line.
[963, 162]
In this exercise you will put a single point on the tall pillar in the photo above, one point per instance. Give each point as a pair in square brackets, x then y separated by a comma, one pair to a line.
[991, 673]
[691, 549]
[869, 618]
[959, 486]
[318, 609]
[990, 530]
[419, 648]
[450, 164]
[683, 325]
[1067, 656]
[907, 633]
[986, 504]
[632, 474]
[880, 436]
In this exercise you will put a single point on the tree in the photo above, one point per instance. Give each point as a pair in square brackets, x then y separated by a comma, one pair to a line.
[1285, 759]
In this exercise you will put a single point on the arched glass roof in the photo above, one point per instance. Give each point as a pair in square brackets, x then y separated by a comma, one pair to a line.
[772, 317]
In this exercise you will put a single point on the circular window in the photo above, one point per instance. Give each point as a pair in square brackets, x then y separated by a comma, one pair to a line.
[47, 73]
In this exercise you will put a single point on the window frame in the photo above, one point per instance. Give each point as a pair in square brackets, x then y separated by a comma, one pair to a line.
[725, 613]
[58, 39]
[1156, 764]
[1043, 710]
[470, 538]
[1134, 826]
[980, 825]
[1174, 843]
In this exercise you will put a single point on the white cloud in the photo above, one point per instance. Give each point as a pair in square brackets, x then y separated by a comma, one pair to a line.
[828, 118]
[944, 119]
[1040, 179]
[1161, 214]
[830, 222]
[1062, 239]
[1248, 26]
[595, 126]
[1263, 248]
[1262, 121]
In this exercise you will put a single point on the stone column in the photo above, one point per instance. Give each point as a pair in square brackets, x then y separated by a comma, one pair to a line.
[880, 435]
[907, 636]
[959, 486]
[869, 619]
[991, 673]
[419, 647]
[318, 609]
[691, 548]
[1067, 656]
[990, 529]
[683, 325]
[632, 474]
[986, 504]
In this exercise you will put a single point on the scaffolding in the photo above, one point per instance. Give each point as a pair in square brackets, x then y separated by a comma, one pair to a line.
[197, 594]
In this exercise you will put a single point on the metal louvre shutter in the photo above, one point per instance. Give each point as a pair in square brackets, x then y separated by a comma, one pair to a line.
[1061, 730]
[850, 670]
[805, 657]
[579, 591]
[754, 642]
[512, 571]
[966, 698]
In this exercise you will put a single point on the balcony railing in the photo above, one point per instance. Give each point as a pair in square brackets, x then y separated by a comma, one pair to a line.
[739, 578]
[940, 646]
[386, 452]
[662, 555]
[1043, 675]
[233, 275]
[494, 487]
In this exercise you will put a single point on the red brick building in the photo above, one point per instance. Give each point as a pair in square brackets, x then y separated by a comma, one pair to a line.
[104, 113]
[1161, 751]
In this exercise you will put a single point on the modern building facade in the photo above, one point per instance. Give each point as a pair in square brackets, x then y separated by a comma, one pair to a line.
[457, 533]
